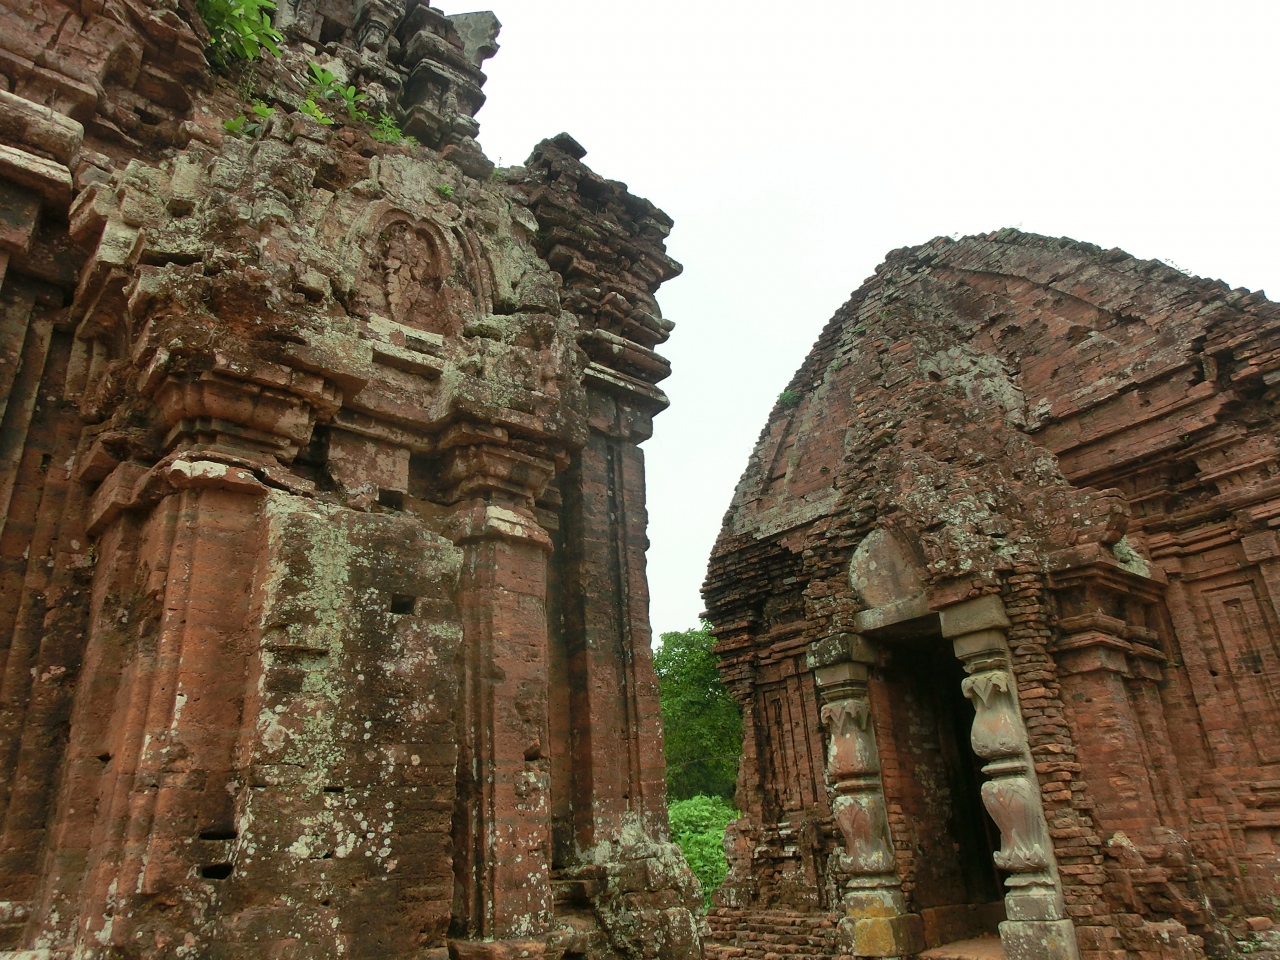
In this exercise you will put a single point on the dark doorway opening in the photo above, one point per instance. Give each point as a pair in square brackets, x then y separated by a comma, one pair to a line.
[959, 891]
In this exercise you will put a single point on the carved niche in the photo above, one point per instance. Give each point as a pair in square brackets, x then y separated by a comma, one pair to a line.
[404, 276]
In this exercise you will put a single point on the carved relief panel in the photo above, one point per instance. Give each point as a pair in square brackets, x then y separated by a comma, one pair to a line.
[404, 277]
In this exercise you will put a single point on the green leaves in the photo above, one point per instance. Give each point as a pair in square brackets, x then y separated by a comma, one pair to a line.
[701, 719]
[324, 83]
[386, 130]
[325, 86]
[239, 29]
[697, 826]
[242, 126]
[312, 109]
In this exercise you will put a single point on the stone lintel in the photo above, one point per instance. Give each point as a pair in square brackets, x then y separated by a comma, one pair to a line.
[487, 468]
[19, 214]
[1095, 562]
[982, 613]
[41, 128]
[1260, 546]
[1146, 667]
[646, 396]
[838, 648]
[1093, 653]
[890, 613]
[117, 493]
[51, 180]
[131, 485]
[355, 460]
[187, 474]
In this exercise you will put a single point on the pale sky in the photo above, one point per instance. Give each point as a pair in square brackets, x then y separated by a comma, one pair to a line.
[796, 144]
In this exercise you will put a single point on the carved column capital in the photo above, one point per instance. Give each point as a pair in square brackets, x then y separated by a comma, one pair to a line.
[475, 464]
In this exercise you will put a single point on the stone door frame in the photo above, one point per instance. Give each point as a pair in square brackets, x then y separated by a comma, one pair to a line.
[876, 921]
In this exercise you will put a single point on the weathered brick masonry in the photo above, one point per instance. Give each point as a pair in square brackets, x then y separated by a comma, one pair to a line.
[322, 512]
[997, 594]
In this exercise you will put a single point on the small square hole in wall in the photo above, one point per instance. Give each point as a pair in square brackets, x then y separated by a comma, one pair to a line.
[215, 871]
[391, 498]
[402, 604]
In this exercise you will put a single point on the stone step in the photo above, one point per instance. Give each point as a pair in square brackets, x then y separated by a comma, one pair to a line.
[979, 948]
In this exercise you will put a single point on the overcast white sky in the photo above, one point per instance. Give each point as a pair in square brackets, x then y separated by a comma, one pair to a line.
[795, 144]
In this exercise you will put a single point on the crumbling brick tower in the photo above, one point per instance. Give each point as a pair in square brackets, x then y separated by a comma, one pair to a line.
[998, 597]
[322, 517]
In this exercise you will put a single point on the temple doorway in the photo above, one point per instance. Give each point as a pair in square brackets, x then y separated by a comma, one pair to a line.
[957, 889]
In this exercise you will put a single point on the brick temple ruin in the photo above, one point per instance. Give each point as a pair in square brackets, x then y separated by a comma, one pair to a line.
[998, 595]
[322, 508]
[322, 536]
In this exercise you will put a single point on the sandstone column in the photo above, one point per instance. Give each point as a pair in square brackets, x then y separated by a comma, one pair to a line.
[617, 763]
[876, 921]
[1037, 928]
[167, 745]
[502, 826]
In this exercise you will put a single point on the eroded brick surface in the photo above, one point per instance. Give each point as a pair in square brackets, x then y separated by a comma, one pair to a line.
[1021, 500]
[322, 518]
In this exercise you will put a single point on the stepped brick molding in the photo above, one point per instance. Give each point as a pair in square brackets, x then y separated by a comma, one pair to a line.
[322, 509]
[998, 595]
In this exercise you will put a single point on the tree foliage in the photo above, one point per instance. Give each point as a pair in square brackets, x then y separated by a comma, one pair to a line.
[703, 726]
[239, 29]
[697, 825]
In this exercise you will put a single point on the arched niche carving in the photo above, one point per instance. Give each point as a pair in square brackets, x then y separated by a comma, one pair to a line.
[886, 574]
[405, 274]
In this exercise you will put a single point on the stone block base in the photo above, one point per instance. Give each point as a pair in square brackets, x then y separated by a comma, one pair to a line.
[899, 936]
[496, 949]
[1039, 940]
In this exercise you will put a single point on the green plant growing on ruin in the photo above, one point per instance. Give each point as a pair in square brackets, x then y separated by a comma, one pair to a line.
[386, 130]
[325, 85]
[697, 827]
[242, 126]
[239, 29]
[312, 109]
[351, 97]
[788, 399]
[445, 191]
